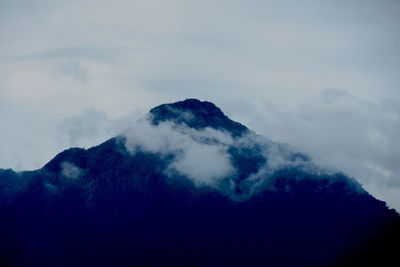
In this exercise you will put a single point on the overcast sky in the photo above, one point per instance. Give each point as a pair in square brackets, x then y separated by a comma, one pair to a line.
[320, 75]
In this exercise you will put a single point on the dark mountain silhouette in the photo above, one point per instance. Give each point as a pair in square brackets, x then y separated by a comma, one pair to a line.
[198, 115]
[113, 206]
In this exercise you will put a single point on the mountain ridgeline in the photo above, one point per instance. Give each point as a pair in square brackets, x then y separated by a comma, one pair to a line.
[187, 186]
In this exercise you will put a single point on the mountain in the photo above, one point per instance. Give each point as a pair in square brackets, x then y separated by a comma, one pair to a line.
[187, 186]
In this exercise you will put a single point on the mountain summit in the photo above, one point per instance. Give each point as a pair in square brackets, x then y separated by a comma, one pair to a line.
[187, 186]
[196, 114]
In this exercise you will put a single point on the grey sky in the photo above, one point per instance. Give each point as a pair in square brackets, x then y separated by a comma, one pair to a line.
[321, 75]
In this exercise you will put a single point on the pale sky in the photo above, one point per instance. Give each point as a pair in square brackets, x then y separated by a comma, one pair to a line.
[322, 76]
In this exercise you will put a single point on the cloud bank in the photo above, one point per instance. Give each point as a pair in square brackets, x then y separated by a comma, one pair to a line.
[214, 158]
[200, 155]
[341, 131]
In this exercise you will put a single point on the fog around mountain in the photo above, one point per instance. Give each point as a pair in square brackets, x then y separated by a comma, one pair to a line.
[185, 185]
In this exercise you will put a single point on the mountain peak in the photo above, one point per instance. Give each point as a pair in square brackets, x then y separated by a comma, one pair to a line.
[196, 114]
[168, 196]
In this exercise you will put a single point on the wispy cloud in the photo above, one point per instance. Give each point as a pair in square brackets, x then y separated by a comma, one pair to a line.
[341, 131]
[200, 155]
[70, 171]
[213, 158]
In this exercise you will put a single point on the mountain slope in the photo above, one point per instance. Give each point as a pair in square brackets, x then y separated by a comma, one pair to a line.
[187, 186]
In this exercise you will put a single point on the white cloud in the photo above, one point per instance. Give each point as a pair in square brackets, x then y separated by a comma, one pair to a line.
[341, 131]
[70, 171]
[204, 164]
[200, 155]
[204, 156]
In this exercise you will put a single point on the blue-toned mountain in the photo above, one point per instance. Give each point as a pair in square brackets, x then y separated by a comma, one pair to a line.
[187, 186]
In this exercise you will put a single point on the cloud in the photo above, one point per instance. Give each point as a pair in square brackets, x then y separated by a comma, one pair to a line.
[200, 155]
[74, 69]
[237, 166]
[341, 131]
[89, 125]
[70, 171]
[204, 164]
[213, 158]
